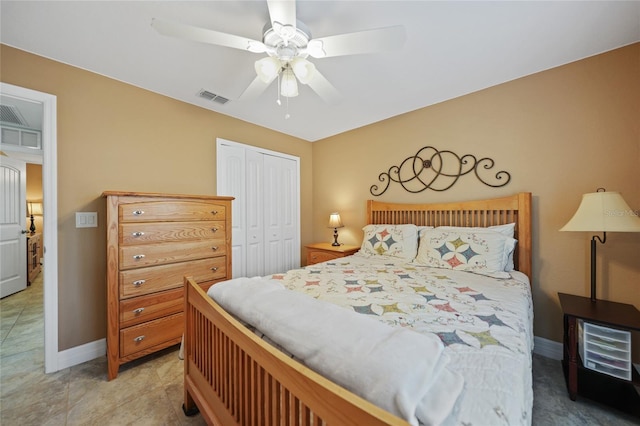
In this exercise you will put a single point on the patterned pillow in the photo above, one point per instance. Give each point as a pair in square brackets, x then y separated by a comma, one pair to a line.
[390, 240]
[479, 251]
[506, 229]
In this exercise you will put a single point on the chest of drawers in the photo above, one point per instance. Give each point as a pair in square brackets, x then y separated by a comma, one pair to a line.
[153, 242]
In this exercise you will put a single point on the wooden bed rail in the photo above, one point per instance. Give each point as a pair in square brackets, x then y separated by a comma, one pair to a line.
[236, 378]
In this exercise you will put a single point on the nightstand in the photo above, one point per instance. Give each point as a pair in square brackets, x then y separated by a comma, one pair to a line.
[618, 318]
[321, 252]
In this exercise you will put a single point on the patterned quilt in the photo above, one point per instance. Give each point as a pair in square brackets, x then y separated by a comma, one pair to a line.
[485, 323]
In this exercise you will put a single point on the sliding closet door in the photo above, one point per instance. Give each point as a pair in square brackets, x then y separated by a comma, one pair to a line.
[255, 249]
[266, 211]
[280, 214]
[231, 181]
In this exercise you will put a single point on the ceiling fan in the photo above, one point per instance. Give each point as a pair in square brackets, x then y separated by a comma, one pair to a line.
[288, 44]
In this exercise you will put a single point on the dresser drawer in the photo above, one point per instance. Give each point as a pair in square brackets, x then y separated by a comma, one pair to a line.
[137, 282]
[145, 308]
[163, 253]
[171, 211]
[320, 256]
[140, 337]
[155, 232]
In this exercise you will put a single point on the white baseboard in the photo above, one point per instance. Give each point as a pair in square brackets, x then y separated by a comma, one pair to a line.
[83, 353]
[547, 348]
[92, 350]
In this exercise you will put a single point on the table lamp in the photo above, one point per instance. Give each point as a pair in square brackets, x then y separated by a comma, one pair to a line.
[335, 222]
[604, 212]
[34, 207]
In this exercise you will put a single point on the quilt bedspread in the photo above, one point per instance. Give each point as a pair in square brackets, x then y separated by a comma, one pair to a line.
[485, 324]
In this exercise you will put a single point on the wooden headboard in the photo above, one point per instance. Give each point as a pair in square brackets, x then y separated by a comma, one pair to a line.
[482, 213]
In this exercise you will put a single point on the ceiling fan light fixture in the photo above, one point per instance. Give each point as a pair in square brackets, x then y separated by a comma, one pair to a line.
[303, 69]
[289, 85]
[268, 68]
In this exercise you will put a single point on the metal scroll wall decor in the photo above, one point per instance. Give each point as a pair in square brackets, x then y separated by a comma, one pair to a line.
[437, 170]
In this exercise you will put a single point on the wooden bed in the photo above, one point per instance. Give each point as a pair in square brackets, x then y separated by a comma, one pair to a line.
[235, 378]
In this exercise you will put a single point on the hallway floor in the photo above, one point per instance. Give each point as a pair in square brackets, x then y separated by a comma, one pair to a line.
[144, 393]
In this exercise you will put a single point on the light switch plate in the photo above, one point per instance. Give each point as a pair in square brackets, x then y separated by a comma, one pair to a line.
[86, 219]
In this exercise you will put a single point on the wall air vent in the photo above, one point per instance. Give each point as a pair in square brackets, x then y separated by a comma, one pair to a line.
[11, 115]
[205, 94]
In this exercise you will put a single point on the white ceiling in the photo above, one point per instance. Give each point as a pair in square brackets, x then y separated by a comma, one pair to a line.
[453, 48]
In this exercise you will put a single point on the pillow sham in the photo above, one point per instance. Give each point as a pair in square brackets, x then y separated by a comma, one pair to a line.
[480, 251]
[390, 240]
[507, 229]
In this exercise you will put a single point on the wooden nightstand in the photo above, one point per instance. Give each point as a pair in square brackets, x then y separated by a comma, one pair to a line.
[605, 388]
[321, 252]
[33, 257]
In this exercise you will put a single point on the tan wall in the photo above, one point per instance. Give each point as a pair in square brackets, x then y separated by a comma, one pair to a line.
[560, 133]
[113, 136]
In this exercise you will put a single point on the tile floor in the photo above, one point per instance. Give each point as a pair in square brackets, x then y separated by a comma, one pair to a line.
[150, 392]
[145, 393]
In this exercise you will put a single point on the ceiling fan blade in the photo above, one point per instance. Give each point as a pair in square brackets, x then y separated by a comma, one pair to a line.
[255, 89]
[324, 89]
[368, 41]
[204, 35]
[283, 17]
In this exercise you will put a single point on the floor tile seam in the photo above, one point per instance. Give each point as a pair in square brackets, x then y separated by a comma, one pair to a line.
[12, 327]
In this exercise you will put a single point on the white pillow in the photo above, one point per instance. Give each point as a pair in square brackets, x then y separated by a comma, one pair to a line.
[480, 251]
[390, 240]
[506, 229]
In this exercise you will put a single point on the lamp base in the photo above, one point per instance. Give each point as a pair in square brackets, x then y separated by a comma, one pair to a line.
[335, 238]
[593, 263]
[32, 228]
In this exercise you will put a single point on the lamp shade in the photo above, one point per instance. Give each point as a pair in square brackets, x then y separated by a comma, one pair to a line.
[289, 86]
[34, 207]
[267, 68]
[303, 69]
[335, 221]
[603, 212]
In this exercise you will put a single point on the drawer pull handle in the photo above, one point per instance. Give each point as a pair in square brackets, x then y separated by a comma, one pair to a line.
[214, 212]
[138, 212]
[215, 268]
[138, 283]
[214, 248]
[214, 229]
[138, 311]
[137, 234]
[138, 339]
[138, 256]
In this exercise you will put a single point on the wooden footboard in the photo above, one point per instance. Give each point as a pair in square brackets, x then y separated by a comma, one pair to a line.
[235, 378]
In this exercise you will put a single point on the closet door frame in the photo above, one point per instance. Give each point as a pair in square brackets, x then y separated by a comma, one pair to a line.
[240, 231]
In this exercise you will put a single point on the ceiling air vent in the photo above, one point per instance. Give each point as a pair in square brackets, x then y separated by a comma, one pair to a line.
[11, 114]
[205, 94]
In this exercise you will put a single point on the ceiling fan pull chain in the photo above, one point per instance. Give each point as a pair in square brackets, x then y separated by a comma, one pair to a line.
[278, 100]
[286, 116]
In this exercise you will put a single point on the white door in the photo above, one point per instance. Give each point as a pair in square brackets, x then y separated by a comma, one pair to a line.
[254, 209]
[230, 176]
[13, 225]
[280, 218]
[266, 208]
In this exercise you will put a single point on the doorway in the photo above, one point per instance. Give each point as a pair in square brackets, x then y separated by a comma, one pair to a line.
[48, 103]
